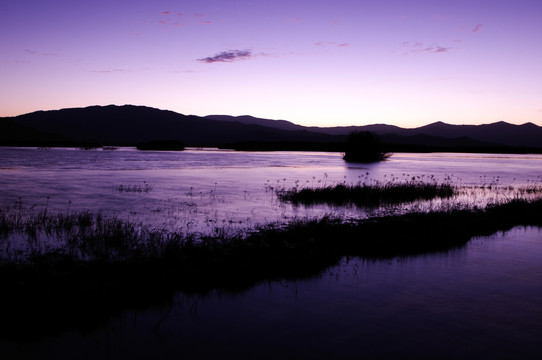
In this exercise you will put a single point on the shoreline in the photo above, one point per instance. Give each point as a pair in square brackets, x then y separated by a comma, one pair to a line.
[54, 286]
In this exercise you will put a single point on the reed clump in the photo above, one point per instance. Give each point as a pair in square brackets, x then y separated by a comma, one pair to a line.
[145, 187]
[368, 195]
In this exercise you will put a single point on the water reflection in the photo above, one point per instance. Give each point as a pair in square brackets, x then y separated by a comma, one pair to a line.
[480, 301]
[200, 190]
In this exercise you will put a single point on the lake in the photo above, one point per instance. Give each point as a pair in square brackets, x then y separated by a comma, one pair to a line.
[480, 301]
[200, 190]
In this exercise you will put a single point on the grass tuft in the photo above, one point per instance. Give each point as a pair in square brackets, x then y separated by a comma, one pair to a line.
[368, 195]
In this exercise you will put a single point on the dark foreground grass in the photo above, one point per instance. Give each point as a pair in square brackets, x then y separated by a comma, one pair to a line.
[368, 195]
[111, 265]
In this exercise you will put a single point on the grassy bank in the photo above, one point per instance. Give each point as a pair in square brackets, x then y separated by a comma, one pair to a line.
[80, 268]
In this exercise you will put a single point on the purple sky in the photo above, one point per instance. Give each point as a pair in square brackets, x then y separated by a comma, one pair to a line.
[323, 63]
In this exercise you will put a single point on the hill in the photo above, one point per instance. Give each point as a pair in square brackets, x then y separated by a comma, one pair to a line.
[499, 133]
[128, 125]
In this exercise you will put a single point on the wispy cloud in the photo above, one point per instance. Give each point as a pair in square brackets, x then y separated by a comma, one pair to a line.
[108, 71]
[477, 28]
[196, 18]
[417, 47]
[293, 21]
[33, 52]
[228, 56]
[331, 43]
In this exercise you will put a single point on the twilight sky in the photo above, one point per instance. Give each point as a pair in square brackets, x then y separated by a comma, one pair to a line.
[316, 62]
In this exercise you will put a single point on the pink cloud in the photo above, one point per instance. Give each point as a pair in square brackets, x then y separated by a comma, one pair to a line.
[293, 21]
[227, 56]
[108, 71]
[417, 47]
[477, 28]
[331, 43]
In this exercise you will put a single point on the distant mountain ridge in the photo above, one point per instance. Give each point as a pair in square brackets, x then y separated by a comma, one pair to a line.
[129, 124]
[527, 134]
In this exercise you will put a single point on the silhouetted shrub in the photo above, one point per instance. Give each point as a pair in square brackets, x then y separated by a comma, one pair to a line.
[364, 147]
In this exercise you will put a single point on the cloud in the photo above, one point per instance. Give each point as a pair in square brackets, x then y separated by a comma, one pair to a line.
[166, 13]
[331, 43]
[417, 47]
[293, 21]
[438, 49]
[228, 56]
[108, 71]
[33, 52]
[477, 28]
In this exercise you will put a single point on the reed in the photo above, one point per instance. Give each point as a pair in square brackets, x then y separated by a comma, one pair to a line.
[135, 188]
[85, 260]
[368, 195]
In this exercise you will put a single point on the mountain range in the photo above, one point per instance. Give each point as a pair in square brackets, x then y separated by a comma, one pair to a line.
[129, 124]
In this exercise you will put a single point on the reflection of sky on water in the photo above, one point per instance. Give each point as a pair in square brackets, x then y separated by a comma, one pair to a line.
[200, 190]
[480, 301]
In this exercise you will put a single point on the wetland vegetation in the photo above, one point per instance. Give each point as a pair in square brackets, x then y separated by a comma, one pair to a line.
[81, 259]
[96, 234]
[368, 195]
[364, 147]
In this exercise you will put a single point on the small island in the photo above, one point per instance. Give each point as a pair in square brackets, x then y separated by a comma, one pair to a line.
[364, 147]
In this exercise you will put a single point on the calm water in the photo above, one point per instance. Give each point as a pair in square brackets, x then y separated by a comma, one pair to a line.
[481, 301]
[199, 190]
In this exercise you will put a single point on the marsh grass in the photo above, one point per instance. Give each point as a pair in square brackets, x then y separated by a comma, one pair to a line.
[54, 265]
[136, 188]
[90, 237]
[368, 195]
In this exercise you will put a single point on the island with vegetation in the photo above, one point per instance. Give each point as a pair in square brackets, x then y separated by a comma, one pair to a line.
[364, 147]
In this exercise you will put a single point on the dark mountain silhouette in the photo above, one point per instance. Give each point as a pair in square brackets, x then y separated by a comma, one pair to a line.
[251, 120]
[129, 125]
[499, 133]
